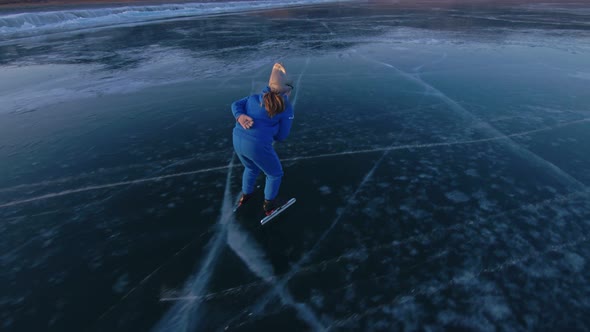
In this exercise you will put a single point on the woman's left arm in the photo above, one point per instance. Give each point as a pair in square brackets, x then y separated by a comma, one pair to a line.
[285, 124]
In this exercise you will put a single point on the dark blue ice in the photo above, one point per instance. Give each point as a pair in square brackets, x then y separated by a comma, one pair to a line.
[440, 159]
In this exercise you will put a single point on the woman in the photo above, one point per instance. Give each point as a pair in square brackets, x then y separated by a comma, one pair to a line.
[262, 119]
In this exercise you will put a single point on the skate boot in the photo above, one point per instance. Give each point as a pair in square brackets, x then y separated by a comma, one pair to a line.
[270, 206]
[244, 198]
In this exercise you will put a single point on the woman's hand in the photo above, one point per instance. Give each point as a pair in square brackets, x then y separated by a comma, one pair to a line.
[245, 121]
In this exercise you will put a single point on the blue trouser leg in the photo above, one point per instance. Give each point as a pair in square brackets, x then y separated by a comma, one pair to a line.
[250, 174]
[256, 157]
[274, 174]
[251, 171]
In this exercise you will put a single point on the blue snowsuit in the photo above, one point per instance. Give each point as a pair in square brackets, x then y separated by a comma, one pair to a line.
[254, 146]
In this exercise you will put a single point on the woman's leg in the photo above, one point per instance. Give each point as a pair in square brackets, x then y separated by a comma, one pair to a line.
[251, 171]
[260, 157]
[271, 166]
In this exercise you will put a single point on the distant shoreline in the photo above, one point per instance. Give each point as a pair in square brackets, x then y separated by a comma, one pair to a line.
[18, 5]
[14, 4]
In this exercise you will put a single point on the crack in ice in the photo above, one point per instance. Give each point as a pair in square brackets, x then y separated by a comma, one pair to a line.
[248, 251]
[325, 155]
[395, 243]
[185, 316]
[298, 84]
[282, 282]
[519, 149]
[146, 278]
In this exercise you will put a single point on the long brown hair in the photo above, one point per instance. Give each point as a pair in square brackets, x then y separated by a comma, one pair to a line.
[274, 103]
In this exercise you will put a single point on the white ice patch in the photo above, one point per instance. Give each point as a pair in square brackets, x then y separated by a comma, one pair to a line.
[417, 214]
[325, 190]
[457, 196]
[374, 207]
[317, 298]
[575, 261]
[446, 317]
[27, 87]
[555, 7]
[484, 202]
[121, 283]
[75, 82]
[581, 75]
[495, 307]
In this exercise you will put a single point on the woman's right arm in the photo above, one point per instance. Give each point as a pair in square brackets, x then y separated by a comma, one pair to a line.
[238, 108]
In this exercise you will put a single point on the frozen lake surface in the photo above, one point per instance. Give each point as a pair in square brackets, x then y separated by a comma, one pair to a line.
[440, 157]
